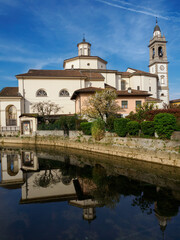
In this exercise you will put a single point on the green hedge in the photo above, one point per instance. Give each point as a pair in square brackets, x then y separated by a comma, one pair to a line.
[66, 123]
[133, 128]
[147, 128]
[86, 127]
[110, 123]
[98, 129]
[120, 126]
[165, 124]
[63, 123]
[177, 126]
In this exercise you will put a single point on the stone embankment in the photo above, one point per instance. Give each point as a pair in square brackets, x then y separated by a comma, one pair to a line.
[164, 152]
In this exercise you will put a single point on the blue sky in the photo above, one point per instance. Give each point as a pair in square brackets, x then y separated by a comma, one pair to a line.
[40, 34]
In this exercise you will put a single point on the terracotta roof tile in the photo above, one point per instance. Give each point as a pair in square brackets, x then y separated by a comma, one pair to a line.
[10, 92]
[62, 73]
[137, 73]
[119, 93]
[85, 90]
[133, 93]
[151, 99]
[93, 75]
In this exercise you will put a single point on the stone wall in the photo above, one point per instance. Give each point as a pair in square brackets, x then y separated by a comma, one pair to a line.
[164, 152]
[44, 133]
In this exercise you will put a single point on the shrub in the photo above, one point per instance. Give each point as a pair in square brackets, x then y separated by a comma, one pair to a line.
[78, 123]
[86, 127]
[133, 128]
[165, 124]
[110, 123]
[177, 126]
[66, 123]
[147, 128]
[98, 129]
[151, 114]
[120, 126]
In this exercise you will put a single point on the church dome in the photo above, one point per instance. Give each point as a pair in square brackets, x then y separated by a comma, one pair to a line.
[157, 28]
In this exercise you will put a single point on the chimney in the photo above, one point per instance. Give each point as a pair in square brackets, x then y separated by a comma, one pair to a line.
[129, 90]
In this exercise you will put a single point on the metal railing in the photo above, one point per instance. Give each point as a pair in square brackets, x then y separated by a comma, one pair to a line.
[11, 122]
[10, 128]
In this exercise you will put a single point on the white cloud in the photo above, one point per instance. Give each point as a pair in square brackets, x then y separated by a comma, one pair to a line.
[32, 62]
[134, 10]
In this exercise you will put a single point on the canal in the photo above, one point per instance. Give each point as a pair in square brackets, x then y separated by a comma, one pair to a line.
[63, 194]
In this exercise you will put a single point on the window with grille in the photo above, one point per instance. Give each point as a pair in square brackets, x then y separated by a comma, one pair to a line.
[41, 93]
[64, 93]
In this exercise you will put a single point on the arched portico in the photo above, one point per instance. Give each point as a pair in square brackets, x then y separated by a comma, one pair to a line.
[11, 115]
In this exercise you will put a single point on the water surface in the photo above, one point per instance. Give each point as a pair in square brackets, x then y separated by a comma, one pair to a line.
[65, 194]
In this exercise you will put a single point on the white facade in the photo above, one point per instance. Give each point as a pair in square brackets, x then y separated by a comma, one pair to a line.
[5, 104]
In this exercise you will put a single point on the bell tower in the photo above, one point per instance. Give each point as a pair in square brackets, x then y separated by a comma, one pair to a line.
[158, 63]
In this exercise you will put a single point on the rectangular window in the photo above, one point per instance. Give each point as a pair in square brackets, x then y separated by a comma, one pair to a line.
[138, 104]
[149, 89]
[124, 104]
[138, 87]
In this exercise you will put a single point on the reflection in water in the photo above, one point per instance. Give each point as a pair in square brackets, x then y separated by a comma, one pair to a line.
[86, 185]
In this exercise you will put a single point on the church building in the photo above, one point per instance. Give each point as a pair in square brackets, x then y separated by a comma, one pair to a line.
[82, 76]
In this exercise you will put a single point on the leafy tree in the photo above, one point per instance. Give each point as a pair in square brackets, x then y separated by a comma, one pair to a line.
[142, 112]
[98, 129]
[101, 105]
[165, 124]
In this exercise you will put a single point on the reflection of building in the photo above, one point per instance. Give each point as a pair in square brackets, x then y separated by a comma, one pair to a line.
[29, 161]
[46, 186]
[163, 220]
[88, 206]
[11, 173]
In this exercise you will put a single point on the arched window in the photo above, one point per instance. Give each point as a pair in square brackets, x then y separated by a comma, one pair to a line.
[12, 165]
[11, 116]
[41, 93]
[123, 85]
[162, 94]
[64, 93]
[160, 51]
[162, 79]
[153, 53]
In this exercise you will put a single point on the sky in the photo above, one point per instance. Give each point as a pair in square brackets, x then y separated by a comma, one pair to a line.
[40, 34]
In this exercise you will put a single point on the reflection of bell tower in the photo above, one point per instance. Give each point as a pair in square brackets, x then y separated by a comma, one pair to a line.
[163, 220]
[158, 63]
[89, 213]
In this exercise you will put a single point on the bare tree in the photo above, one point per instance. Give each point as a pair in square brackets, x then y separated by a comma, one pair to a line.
[46, 108]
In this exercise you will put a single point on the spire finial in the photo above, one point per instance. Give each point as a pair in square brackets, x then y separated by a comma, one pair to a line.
[156, 21]
[84, 37]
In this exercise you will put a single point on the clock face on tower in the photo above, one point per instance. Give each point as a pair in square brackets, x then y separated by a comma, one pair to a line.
[161, 67]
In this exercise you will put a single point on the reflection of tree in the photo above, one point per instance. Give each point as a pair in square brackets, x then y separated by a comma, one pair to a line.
[144, 204]
[146, 199]
[166, 204]
[107, 189]
[105, 193]
[47, 178]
